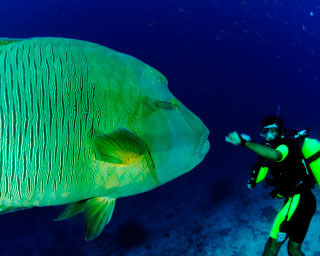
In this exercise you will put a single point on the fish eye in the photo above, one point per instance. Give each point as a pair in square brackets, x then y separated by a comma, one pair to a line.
[167, 105]
[174, 102]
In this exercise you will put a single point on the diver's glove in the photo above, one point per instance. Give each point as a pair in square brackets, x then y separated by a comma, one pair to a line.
[244, 139]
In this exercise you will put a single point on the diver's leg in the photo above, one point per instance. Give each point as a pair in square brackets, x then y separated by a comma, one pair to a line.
[278, 234]
[272, 247]
[294, 249]
[300, 223]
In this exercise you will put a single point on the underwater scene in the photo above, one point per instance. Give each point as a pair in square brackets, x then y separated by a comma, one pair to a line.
[160, 128]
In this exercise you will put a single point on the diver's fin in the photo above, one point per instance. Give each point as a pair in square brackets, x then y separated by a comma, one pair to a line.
[119, 147]
[71, 210]
[98, 212]
[5, 41]
[6, 209]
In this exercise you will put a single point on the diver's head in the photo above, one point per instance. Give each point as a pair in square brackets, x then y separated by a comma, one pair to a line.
[272, 128]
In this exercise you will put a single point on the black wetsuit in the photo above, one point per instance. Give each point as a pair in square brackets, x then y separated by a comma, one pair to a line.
[292, 181]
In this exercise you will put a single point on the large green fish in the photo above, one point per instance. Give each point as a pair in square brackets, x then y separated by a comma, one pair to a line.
[83, 125]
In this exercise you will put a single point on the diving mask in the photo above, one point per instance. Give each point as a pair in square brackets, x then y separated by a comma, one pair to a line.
[273, 129]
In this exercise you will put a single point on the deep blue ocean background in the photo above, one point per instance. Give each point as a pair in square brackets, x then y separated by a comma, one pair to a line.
[231, 62]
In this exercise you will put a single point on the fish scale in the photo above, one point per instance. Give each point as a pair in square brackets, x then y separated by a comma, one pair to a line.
[37, 92]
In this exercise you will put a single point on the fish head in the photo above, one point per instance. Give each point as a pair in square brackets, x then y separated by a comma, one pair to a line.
[177, 139]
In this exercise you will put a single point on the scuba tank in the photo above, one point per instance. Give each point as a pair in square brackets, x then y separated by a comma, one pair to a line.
[310, 149]
[311, 153]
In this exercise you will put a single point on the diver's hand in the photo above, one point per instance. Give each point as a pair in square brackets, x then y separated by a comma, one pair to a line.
[235, 139]
[246, 137]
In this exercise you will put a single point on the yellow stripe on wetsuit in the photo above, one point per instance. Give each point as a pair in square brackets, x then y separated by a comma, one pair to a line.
[283, 149]
[285, 214]
[263, 171]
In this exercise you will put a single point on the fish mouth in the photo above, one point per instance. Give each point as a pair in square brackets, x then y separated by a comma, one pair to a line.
[201, 153]
[204, 144]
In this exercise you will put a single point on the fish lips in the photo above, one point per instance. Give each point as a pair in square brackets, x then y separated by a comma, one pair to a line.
[204, 145]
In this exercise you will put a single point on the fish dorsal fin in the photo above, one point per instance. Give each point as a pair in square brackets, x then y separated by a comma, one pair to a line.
[119, 147]
[98, 212]
[6, 41]
[71, 210]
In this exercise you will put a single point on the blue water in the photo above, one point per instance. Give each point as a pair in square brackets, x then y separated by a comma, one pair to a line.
[230, 62]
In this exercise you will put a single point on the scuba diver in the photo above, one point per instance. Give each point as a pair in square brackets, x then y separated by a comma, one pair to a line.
[291, 178]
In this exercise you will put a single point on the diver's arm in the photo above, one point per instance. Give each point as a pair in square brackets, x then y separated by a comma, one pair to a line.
[264, 151]
[260, 149]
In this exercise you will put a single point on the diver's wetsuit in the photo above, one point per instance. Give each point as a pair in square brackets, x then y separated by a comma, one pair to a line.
[292, 182]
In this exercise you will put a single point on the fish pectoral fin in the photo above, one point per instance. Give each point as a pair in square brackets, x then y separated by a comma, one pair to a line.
[119, 147]
[5, 41]
[6, 209]
[71, 210]
[98, 212]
